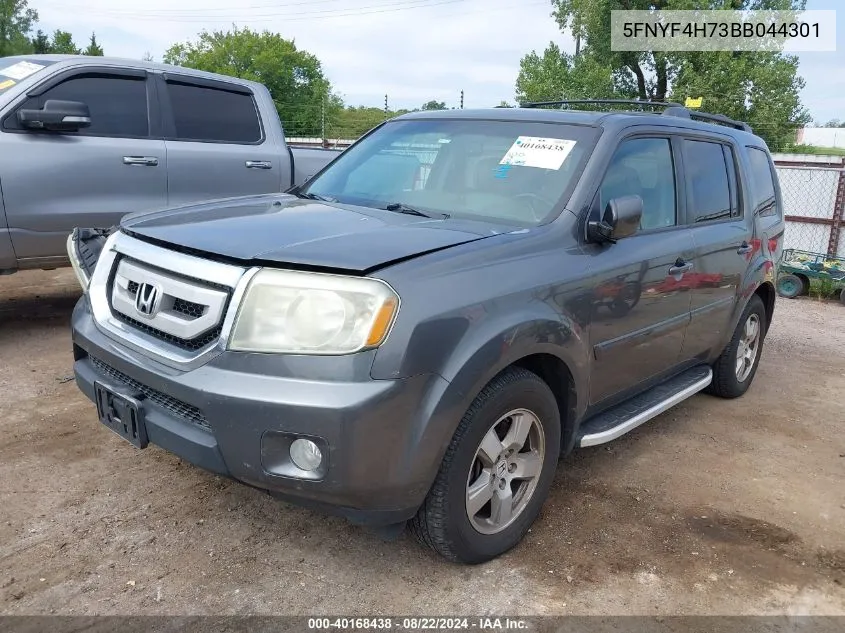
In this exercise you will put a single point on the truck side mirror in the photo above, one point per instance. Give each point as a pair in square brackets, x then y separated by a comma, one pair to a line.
[621, 218]
[56, 116]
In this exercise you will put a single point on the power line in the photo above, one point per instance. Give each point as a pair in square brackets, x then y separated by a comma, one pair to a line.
[392, 7]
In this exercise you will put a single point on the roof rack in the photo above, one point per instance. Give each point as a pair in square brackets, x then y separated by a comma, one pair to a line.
[638, 102]
[671, 109]
[686, 113]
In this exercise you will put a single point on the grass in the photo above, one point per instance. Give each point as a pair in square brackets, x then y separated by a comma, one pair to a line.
[824, 288]
[812, 149]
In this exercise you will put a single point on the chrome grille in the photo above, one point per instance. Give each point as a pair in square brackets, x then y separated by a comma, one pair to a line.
[174, 406]
[180, 311]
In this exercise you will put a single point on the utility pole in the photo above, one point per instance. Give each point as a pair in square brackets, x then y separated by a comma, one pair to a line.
[462, 99]
[386, 110]
[323, 120]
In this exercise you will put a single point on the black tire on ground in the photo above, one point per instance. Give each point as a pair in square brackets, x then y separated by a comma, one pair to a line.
[842, 296]
[442, 522]
[726, 383]
[790, 286]
[805, 285]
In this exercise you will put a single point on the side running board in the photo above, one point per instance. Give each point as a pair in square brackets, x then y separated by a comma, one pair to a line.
[632, 413]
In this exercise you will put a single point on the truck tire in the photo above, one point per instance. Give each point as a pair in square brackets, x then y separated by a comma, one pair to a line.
[791, 286]
[496, 473]
[735, 368]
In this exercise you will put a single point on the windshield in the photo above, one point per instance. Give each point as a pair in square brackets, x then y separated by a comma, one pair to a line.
[515, 172]
[15, 69]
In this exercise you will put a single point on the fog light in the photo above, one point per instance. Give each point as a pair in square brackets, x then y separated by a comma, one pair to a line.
[305, 454]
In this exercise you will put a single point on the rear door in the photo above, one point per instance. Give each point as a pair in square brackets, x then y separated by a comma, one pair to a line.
[640, 307]
[724, 240]
[92, 177]
[217, 144]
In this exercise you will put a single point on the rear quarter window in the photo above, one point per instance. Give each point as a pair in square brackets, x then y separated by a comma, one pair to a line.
[762, 182]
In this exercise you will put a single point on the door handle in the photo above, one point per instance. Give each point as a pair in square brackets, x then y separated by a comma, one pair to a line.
[259, 164]
[680, 267]
[744, 249]
[143, 161]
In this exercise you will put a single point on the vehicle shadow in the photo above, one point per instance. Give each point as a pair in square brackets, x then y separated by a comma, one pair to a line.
[36, 296]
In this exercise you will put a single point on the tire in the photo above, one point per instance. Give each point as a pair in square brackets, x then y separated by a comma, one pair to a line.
[842, 296]
[805, 285]
[728, 380]
[790, 286]
[443, 522]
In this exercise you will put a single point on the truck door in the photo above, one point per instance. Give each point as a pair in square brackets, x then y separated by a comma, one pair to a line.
[217, 144]
[724, 242]
[93, 177]
[641, 309]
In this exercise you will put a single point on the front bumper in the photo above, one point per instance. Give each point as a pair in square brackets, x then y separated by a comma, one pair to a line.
[235, 415]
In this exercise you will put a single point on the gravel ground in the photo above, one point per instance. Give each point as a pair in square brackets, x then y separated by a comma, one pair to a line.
[715, 507]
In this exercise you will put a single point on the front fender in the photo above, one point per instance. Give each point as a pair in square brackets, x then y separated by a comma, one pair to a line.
[488, 351]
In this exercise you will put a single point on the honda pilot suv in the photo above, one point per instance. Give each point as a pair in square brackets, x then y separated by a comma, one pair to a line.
[420, 332]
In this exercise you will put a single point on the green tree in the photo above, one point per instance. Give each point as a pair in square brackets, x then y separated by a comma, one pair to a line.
[16, 20]
[558, 75]
[294, 77]
[63, 44]
[40, 43]
[94, 49]
[759, 87]
[833, 123]
[434, 105]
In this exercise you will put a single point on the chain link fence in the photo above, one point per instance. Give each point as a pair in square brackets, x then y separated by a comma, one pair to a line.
[813, 201]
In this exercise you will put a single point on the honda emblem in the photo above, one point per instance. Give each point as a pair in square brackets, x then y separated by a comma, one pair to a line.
[148, 299]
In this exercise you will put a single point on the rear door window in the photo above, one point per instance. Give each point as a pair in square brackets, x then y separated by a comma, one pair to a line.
[213, 115]
[708, 186]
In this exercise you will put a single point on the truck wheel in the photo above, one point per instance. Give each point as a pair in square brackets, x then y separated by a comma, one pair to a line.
[790, 286]
[735, 368]
[496, 473]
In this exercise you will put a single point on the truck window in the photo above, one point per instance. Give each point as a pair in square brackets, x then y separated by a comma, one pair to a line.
[643, 167]
[708, 191]
[762, 182]
[212, 115]
[118, 105]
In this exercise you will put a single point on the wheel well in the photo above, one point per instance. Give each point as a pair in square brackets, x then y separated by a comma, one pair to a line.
[554, 372]
[767, 293]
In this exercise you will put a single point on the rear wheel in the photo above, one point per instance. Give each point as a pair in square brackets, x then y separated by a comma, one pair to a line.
[496, 472]
[790, 286]
[734, 370]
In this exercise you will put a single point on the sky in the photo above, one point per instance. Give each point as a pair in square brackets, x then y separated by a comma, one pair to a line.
[411, 50]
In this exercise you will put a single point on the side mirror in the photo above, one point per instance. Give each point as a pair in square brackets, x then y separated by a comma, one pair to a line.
[56, 116]
[621, 218]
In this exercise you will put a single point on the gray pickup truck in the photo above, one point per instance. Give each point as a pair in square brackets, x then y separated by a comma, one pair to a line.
[419, 332]
[86, 140]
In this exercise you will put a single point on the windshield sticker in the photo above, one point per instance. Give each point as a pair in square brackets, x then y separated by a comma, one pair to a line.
[533, 151]
[445, 140]
[7, 84]
[21, 70]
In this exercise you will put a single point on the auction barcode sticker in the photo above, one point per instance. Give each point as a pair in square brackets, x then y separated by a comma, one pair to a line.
[534, 151]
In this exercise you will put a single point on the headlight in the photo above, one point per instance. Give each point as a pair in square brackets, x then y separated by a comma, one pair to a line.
[81, 275]
[311, 313]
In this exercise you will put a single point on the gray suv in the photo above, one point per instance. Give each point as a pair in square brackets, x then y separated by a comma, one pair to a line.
[421, 331]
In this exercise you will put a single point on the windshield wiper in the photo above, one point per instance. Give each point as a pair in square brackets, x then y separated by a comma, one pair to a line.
[312, 196]
[399, 207]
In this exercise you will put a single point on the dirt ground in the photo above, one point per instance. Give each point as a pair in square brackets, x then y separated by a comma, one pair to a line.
[715, 507]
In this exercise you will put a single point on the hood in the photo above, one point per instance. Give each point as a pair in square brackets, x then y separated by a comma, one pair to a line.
[284, 229]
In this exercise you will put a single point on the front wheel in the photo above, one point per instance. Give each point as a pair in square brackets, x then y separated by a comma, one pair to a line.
[496, 473]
